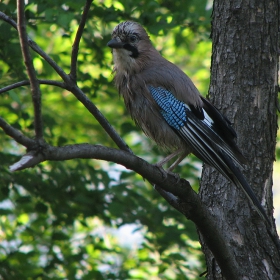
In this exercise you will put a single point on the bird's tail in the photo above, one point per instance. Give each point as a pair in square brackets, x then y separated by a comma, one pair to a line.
[236, 176]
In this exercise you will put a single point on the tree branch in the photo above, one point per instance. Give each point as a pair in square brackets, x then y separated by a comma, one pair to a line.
[75, 47]
[71, 86]
[17, 135]
[8, 19]
[100, 118]
[196, 211]
[36, 48]
[177, 192]
[27, 82]
[35, 87]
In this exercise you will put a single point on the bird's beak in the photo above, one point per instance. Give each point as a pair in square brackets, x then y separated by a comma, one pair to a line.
[115, 44]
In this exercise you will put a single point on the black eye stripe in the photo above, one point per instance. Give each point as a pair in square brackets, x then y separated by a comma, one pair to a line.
[132, 49]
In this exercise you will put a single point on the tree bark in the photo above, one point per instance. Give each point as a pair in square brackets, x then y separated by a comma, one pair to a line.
[244, 86]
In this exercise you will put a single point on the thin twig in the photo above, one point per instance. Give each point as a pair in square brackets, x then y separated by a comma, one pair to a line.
[75, 47]
[16, 134]
[100, 118]
[27, 82]
[71, 86]
[35, 87]
[51, 62]
[36, 48]
[8, 19]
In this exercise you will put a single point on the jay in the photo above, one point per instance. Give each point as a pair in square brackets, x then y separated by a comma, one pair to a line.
[167, 106]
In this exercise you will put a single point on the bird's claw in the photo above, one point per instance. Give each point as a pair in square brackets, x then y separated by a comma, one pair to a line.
[165, 172]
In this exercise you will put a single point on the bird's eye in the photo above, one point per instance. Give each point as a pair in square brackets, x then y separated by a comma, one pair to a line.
[133, 38]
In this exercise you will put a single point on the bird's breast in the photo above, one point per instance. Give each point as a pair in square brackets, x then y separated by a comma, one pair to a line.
[146, 113]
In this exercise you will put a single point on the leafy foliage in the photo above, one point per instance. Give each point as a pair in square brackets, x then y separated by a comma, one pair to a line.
[65, 219]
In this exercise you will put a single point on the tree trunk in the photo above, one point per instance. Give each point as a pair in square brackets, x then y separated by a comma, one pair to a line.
[244, 87]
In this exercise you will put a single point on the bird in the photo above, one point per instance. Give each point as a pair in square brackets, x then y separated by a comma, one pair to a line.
[166, 105]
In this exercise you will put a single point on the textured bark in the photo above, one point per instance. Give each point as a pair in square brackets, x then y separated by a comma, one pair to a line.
[244, 87]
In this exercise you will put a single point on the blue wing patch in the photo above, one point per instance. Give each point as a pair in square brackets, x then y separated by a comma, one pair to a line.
[173, 110]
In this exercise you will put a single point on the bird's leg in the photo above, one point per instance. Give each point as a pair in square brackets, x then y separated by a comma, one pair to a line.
[169, 157]
[177, 161]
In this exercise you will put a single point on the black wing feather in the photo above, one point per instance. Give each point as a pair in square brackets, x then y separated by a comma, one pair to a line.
[222, 126]
[213, 149]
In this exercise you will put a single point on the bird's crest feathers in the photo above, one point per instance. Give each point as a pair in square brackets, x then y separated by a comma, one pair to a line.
[126, 28]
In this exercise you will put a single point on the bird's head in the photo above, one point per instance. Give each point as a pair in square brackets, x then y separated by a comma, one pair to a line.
[131, 46]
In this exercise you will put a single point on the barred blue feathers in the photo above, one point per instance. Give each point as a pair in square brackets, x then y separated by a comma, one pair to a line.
[173, 110]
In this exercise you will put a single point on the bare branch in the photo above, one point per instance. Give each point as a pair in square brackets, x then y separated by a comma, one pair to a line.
[195, 210]
[27, 82]
[75, 47]
[28, 160]
[35, 87]
[36, 48]
[88, 151]
[100, 118]
[51, 62]
[16, 134]
[176, 191]
[8, 20]
[71, 86]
